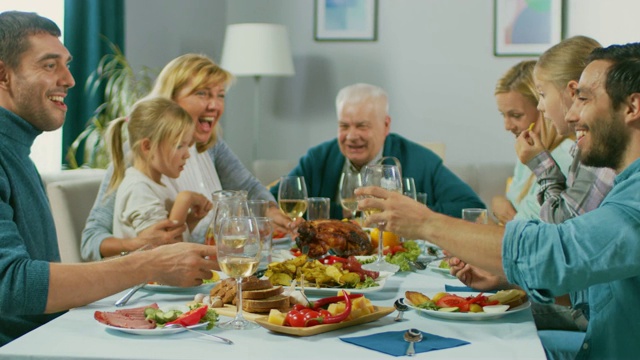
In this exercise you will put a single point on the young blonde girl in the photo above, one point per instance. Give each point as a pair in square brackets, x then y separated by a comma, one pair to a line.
[160, 133]
[517, 100]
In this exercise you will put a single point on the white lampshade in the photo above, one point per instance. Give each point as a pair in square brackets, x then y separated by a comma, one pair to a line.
[257, 50]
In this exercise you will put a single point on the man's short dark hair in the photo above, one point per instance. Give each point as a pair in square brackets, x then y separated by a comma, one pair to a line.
[623, 77]
[15, 29]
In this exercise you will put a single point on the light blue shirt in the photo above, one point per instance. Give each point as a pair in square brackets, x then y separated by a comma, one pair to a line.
[598, 251]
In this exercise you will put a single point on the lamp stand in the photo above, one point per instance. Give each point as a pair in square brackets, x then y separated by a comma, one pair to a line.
[256, 116]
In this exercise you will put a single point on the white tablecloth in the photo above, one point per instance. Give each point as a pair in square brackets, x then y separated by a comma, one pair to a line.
[76, 335]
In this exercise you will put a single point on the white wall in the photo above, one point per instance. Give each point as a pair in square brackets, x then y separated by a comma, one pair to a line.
[434, 57]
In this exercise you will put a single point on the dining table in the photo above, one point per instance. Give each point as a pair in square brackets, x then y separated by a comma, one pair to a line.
[77, 335]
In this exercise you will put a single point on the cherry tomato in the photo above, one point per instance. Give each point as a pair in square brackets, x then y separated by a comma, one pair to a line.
[310, 318]
[294, 319]
[299, 307]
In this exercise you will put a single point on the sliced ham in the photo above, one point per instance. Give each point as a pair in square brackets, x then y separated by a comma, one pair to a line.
[127, 318]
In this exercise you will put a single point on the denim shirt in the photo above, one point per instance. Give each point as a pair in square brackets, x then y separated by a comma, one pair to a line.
[598, 251]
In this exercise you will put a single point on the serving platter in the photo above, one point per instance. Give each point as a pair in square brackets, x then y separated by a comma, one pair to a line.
[153, 332]
[468, 316]
[380, 311]
[333, 290]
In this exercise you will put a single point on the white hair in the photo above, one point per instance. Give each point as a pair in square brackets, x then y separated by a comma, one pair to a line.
[359, 93]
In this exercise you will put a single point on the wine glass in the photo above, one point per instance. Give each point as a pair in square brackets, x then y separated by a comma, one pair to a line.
[292, 196]
[387, 177]
[239, 250]
[349, 181]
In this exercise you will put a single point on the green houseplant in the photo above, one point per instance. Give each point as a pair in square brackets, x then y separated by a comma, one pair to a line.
[123, 87]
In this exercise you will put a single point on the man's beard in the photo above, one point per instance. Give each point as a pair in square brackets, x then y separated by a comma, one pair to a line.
[609, 141]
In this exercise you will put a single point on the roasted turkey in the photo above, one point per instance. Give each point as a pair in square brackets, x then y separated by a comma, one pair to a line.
[344, 238]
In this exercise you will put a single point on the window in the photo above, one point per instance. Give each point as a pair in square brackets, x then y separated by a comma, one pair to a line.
[46, 152]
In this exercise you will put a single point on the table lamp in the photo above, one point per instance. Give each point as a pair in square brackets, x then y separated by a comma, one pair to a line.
[255, 49]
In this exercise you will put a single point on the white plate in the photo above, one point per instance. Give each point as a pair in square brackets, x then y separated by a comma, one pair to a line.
[435, 266]
[334, 290]
[282, 240]
[153, 332]
[468, 315]
[171, 289]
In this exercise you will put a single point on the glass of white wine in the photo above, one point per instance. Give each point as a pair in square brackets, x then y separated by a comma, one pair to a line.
[387, 177]
[239, 251]
[349, 181]
[292, 196]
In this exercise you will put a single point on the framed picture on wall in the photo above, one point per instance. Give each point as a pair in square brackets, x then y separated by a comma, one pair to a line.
[526, 27]
[346, 20]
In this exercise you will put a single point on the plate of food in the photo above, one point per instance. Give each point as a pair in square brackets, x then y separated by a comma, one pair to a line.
[205, 286]
[441, 266]
[461, 306]
[379, 312]
[312, 289]
[140, 321]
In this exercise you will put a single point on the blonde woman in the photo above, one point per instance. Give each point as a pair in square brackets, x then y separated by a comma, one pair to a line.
[199, 86]
[517, 101]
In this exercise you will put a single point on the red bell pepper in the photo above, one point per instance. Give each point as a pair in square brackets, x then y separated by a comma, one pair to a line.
[191, 317]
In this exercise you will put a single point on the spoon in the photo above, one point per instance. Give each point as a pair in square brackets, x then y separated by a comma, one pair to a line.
[177, 326]
[419, 265]
[412, 336]
[401, 307]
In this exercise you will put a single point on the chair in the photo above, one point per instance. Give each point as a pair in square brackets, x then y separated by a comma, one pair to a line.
[437, 147]
[71, 196]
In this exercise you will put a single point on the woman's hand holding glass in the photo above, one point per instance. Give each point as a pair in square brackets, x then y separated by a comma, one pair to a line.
[239, 251]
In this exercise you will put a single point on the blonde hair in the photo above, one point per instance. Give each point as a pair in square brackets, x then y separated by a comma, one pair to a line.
[566, 60]
[519, 78]
[158, 119]
[193, 70]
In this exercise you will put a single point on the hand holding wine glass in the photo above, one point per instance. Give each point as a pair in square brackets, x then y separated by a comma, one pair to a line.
[292, 196]
[387, 177]
[349, 181]
[239, 251]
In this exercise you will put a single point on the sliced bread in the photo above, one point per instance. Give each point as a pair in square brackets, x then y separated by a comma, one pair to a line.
[262, 294]
[279, 302]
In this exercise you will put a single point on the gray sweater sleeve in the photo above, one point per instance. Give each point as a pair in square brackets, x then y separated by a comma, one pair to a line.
[99, 224]
[234, 175]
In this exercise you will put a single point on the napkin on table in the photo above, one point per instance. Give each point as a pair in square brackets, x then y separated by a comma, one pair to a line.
[393, 343]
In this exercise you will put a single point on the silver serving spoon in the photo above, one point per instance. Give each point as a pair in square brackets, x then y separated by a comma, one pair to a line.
[178, 326]
[412, 336]
[401, 307]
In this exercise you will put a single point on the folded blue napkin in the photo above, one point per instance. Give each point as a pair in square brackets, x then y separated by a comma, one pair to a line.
[453, 289]
[392, 342]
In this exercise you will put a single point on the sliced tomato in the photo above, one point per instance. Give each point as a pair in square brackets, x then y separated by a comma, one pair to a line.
[191, 317]
[454, 301]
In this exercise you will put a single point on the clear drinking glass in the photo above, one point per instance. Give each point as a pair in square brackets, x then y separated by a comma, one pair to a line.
[239, 250]
[318, 208]
[258, 208]
[387, 177]
[476, 215]
[265, 228]
[292, 196]
[225, 202]
[409, 188]
[349, 181]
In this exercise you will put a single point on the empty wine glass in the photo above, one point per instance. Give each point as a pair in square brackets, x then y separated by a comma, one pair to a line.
[239, 250]
[349, 181]
[387, 177]
[292, 196]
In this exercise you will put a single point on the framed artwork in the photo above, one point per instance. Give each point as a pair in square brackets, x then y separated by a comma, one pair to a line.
[346, 20]
[526, 27]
